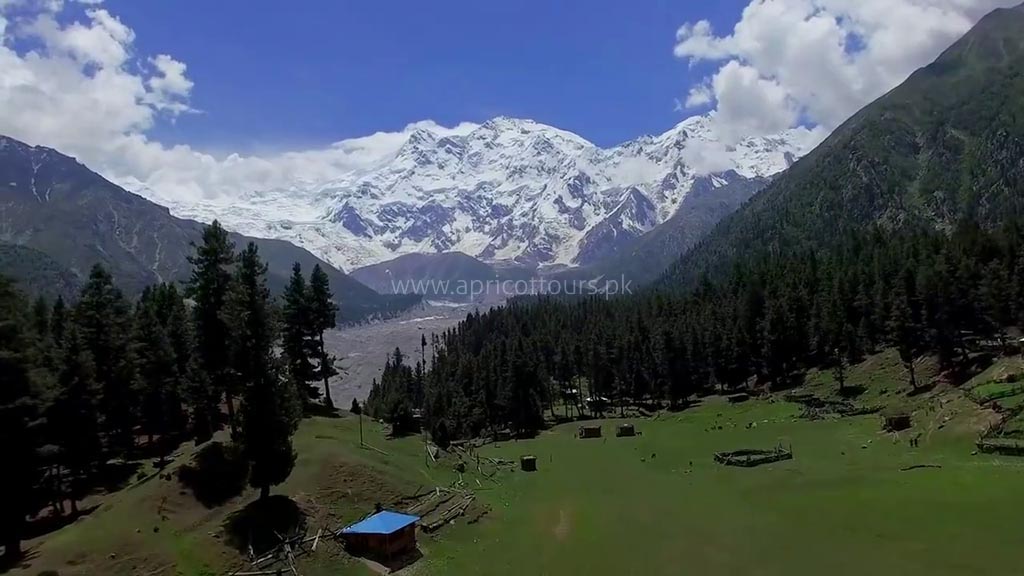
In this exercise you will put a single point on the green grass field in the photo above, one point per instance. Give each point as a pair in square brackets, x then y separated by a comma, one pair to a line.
[635, 506]
[652, 504]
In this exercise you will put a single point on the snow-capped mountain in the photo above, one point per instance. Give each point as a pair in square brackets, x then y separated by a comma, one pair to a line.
[505, 190]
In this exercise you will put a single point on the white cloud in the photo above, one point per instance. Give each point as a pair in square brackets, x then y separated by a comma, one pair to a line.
[818, 61]
[749, 104]
[700, 95]
[169, 88]
[79, 86]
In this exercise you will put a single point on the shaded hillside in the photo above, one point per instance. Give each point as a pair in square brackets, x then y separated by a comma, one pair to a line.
[38, 274]
[51, 203]
[946, 145]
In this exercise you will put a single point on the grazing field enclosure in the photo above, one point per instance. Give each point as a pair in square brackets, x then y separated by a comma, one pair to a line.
[750, 457]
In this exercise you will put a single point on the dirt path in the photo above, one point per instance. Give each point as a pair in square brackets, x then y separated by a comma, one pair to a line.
[563, 527]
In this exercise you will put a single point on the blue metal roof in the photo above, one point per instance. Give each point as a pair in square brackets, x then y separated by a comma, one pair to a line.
[385, 522]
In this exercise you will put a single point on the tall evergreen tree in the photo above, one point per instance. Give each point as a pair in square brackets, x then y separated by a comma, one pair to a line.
[270, 412]
[903, 331]
[58, 322]
[298, 342]
[103, 317]
[161, 406]
[19, 413]
[73, 416]
[208, 287]
[324, 312]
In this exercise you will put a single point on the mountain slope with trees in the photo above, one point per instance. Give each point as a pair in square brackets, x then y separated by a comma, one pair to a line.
[946, 145]
[902, 231]
[36, 273]
[54, 205]
[109, 379]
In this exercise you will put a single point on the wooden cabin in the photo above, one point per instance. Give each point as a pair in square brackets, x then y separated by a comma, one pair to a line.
[384, 535]
[896, 422]
[589, 432]
[623, 430]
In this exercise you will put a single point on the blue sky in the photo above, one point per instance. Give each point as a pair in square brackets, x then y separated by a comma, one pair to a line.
[274, 75]
[117, 83]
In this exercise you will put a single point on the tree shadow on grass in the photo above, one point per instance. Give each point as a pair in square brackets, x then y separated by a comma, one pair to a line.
[849, 392]
[399, 562]
[47, 523]
[216, 474]
[262, 523]
[923, 389]
[114, 476]
[22, 562]
[319, 410]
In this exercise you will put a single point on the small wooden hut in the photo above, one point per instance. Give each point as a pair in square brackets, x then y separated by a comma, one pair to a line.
[384, 535]
[896, 422]
[528, 463]
[623, 430]
[589, 432]
[503, 435]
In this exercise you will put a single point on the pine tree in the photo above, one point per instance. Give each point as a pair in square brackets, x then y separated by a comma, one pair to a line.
[103, 317]
[19, 411]
[75, 427]
[42, 325]
[904, 332]
[58, 323]
[174, 315]
[323, 311]
[270, 411]
[41, 318]
[298, 333]
[776, 340]
[208, 288]
[161, 407]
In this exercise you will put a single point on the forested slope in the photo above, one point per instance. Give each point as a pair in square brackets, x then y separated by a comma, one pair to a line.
[946, 145]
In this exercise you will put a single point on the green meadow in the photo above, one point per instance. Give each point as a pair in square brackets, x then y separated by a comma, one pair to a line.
[656, 503]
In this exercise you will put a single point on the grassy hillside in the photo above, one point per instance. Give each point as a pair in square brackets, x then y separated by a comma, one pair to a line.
[653, 504]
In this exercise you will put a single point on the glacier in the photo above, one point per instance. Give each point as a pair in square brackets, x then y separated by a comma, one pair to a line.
[506, 190]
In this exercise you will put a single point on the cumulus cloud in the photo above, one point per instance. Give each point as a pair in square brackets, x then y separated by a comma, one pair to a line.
[169, 87]
[816, 62]
[700, 95]
[78, 85]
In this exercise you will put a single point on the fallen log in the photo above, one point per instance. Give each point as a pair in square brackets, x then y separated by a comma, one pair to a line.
[374, 448]
[917, 466]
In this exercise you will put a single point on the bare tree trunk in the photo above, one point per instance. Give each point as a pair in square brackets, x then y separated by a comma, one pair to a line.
[229, 399]
[328, 401]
